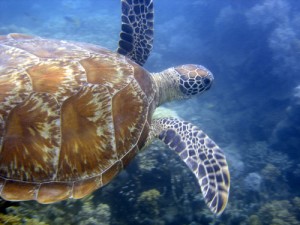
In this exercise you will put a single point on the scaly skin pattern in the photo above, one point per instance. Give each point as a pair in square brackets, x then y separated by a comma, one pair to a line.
[181, 82]
[204, 158]
[72, 115]
[136, 37]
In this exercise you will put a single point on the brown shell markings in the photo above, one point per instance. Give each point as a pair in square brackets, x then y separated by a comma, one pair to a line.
[72, 115]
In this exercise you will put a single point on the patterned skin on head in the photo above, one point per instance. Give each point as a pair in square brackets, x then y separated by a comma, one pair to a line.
[194, 79]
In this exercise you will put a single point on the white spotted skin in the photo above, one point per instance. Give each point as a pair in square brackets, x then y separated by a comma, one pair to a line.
[204, 158]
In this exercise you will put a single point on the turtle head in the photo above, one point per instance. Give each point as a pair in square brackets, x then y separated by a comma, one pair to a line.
[182, 82]
[193, 79]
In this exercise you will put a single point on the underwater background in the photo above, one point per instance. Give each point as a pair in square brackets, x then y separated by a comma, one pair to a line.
[252, 111]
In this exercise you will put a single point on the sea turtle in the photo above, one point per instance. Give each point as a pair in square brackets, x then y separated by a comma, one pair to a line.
[72, 115]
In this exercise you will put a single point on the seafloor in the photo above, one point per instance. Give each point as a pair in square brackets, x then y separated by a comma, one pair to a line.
[252, 111]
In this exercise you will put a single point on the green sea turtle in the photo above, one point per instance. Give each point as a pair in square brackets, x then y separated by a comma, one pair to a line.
[72, 115]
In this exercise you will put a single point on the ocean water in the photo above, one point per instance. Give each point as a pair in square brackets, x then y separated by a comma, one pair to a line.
[252, 111]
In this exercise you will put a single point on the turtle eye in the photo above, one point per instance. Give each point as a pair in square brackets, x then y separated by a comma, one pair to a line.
[206, 81]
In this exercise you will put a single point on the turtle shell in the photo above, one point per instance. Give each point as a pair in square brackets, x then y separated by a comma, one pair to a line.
[72, 115]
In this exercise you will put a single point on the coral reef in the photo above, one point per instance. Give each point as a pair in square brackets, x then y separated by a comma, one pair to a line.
[148, 201]
[254, 220]
[18, 220]
[82, 211]
[288, 128]
[261, 153]
[283, 33]
[253, 182]
[296, 204]
[10, 219]
[271, 174]
[278, 213]
[91, 214]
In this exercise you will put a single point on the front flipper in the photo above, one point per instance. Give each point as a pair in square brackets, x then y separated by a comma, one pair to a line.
[136, 37]
[205, 159]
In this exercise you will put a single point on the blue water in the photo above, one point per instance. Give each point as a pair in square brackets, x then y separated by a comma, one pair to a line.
[252, 111]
